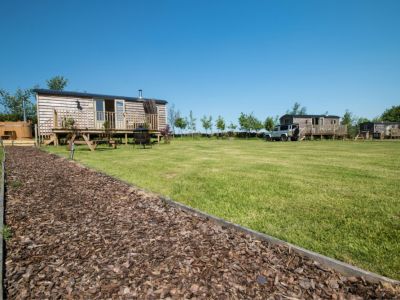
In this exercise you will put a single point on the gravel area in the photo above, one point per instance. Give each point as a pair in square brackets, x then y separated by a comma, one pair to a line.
[80, 234]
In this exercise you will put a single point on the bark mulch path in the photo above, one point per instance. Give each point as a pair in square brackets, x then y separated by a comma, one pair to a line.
[80, 234]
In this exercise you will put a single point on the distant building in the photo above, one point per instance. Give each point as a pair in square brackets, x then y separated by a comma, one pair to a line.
[316, 125]
[380, 130]
[304, 120]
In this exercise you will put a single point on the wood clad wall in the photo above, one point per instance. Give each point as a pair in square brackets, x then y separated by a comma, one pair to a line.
[47, 104]
[162, 116]
[308, 121]
[328, 121]
[136, 108]
[303, 122]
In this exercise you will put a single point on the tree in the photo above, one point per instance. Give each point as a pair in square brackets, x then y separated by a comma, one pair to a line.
[297, 109]
[232, 127]
[191, 123]
[377, 119]
[362, 120]
[249, 122]
[276, 120]
[18, 105]
[220, 124]
[181, 123]
[244, 122]
[255, 123]
[269, 124]
[207, 123]
[391, 114]
[57, 83]
[351, 122]
[172, 116]
[347, 118]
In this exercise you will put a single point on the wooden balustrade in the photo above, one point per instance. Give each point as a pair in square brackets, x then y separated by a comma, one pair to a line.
[324, 130]
[63, 119]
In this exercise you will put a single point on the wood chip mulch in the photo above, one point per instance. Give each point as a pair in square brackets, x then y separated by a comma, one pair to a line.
[80, 234]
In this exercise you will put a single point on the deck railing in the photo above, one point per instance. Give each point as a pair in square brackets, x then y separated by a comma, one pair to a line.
[103, 120]
[324, 130]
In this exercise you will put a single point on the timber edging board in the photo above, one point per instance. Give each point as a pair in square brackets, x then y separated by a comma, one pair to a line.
[2, 258]
[337, 265]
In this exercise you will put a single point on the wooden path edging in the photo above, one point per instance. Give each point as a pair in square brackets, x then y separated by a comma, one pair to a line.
[337, 265]
[2, 258]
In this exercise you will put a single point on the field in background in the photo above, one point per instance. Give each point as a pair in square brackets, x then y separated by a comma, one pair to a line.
[341, 199]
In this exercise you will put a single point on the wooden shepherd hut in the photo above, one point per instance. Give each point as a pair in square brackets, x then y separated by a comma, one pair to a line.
[316, 125]
[91, 114]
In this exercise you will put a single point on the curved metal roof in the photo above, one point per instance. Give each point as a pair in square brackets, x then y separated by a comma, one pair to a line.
[91, 95]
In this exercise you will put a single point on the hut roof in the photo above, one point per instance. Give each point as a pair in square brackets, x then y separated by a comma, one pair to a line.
[92, 95]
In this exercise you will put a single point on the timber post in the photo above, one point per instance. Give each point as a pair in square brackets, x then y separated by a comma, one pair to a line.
[55, 121]
[36, 136]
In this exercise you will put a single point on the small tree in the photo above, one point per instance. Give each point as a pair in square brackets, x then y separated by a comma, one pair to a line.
[391, 114]
[347, 118]
[57, 83]
[249, 122]
[207, 123]
[172, 116]
[232, 127]
[297, 109]
[220, 124]
[19, 104]
[181, 123]
[269, 124]
[255, 123]
[166, 134]
[244, 122]
[191, 123]
[351, 122]
[276, 120]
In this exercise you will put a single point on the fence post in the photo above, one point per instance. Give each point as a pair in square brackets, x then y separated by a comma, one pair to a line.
[72, 150]
[36, 135]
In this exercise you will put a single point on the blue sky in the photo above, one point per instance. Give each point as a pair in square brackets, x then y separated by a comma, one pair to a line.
[212, 57]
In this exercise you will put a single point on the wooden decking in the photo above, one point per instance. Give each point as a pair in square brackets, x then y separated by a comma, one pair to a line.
[89, 136]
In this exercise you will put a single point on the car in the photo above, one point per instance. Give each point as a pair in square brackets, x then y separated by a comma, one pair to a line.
[287, 132]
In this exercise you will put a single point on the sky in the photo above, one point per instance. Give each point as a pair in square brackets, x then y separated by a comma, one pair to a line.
[211, 57]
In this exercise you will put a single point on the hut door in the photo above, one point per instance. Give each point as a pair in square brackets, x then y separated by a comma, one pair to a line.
[100, 113]
[119, 114]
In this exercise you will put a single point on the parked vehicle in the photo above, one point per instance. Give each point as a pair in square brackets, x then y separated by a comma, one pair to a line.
[289, 132]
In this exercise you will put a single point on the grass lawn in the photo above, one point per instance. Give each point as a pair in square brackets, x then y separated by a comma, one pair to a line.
[341, 199]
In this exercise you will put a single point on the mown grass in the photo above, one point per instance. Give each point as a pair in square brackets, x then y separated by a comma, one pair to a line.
[341, 199]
